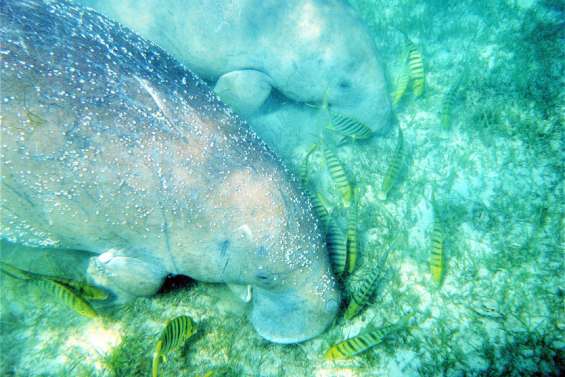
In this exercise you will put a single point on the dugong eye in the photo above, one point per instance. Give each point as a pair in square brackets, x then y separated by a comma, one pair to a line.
[344, 84]
[264, 278]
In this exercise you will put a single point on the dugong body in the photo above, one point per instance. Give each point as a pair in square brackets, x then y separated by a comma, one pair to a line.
[110, 146]
[268, 58]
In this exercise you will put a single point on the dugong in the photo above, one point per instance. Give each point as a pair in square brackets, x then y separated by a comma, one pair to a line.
[110, 146]
[267, 58]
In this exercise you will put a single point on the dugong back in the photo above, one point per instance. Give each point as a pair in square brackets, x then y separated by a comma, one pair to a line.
[102, 132]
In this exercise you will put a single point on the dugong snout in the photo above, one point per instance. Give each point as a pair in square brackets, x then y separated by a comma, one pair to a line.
[298, 312]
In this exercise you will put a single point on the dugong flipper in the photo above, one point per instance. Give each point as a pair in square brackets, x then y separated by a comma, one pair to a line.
[112, 147]
[127, 275]
[245, 90]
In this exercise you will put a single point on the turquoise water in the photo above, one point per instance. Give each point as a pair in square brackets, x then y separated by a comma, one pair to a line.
[482, 155]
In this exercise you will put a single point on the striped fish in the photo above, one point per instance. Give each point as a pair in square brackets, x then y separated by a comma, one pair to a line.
[401, 85]
[437, 254]
[365, 341]
[352, 238]
[83, 289]
[416, 66]
[447, 104]
[174, 335]
[393, 168]
[66, 296]
[349, 127]
[337, 172]
[303, 167]
[361, 295]
[337, 247]
[320, 207]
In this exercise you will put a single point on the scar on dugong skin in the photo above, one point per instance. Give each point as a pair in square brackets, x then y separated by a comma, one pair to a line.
[268, 58]
[137, 161]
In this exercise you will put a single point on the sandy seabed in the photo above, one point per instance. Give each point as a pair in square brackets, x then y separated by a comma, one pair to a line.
[494, 174]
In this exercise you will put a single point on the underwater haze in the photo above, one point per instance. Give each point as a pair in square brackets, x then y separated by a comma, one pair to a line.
[430, 150]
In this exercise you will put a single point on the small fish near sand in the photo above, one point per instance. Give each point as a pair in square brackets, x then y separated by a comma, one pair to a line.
[320, 206]
[352, 244]
[66, 296]
[401, 84]
[68, 292]
[416, 66]
[394, 167]
[349, 127]
[83, 289]
[367, 285]
[366, 340]
[412, 71]
[447, 104]
[176, 332]
[337, 247]
[338, 175]
[303, 168]
[437, 255]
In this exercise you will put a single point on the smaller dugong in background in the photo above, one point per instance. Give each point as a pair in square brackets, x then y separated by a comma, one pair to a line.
[267, 59]
[112, 147]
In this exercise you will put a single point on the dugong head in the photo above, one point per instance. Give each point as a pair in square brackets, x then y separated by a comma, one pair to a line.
[334, 60]
[272, 241]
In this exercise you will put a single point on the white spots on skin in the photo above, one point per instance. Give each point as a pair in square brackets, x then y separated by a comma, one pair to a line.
[116, 161]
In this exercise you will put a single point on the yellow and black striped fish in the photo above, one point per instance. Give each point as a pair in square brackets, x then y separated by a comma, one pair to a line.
[401, 84]
[447, 105]
[364, 341]
[393, 168]
[356, 345]
[337, 172]
[303, 167]
[66, 296]
[437, 254]
[349, 127]
[361, 294]
[416, 66]
[85, 290]
[337, 247]
[174, 335]
[320, 207]
[352, 238]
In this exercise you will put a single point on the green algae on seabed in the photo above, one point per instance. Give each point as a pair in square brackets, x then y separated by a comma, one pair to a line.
[494, 171]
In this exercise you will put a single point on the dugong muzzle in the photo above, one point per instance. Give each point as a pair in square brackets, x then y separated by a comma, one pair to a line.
[294, 314]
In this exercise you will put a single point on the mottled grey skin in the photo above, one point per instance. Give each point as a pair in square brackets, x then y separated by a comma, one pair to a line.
[110, 146]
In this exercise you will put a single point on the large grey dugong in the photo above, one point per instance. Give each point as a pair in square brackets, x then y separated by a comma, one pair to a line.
[264, 56]
[110, 146]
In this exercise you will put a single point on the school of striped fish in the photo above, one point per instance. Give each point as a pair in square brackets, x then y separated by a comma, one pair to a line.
[342, 244]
